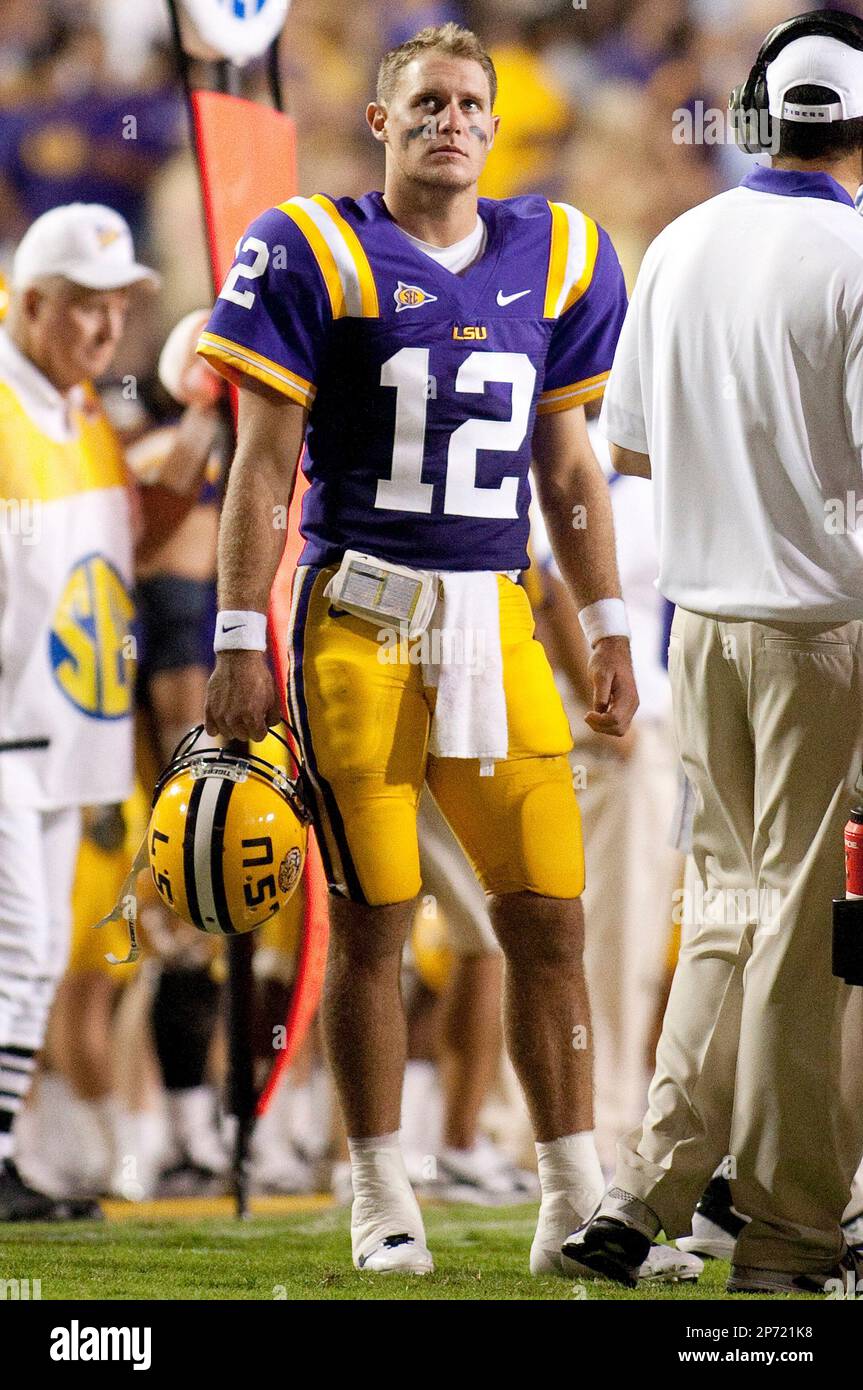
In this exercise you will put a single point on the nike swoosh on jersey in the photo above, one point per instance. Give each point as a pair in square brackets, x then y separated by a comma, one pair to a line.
[504, 299]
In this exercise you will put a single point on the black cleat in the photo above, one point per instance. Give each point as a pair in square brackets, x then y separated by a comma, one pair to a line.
[610, 1247]
[20, 1202]
[845, 1278]
[715, 1204]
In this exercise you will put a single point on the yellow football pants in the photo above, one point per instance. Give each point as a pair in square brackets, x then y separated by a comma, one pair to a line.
[363, 723]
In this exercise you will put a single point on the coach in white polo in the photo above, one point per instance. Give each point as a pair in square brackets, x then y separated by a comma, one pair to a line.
[738, 386]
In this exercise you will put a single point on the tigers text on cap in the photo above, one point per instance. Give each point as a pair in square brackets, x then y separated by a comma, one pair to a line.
[816, 60]
[86, 243]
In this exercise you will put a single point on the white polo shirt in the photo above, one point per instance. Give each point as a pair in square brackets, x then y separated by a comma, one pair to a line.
[740, 372]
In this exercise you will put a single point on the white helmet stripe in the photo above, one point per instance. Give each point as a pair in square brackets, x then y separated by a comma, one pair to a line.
[202, 850]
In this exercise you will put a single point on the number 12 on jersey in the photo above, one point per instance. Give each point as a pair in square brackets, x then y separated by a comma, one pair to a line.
[408, 372]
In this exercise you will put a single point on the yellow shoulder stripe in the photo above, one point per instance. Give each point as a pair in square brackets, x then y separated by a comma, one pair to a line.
[573, 246]
[235, 361]
[368, 289]
[322, 254]
[338, 252]
[557, 257]
[567, 397]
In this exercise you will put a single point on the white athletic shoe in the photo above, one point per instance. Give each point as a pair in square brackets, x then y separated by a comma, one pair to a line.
[556, 1214]
[397, 1254]
[483, 1175]
[387, 1231]
[192, 1118]
[707, 1239]
[716, 1223]
[283, 1170]
[665, 1265]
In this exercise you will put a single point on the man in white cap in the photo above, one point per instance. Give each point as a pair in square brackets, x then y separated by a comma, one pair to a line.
[66, 543]
[738, 385]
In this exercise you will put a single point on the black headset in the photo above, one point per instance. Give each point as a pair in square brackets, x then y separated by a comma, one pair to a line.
[748, 103]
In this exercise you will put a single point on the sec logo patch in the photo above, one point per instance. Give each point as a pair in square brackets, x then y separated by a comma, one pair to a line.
[87, 642]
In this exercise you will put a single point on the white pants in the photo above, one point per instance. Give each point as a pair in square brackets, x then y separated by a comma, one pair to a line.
[38, 852]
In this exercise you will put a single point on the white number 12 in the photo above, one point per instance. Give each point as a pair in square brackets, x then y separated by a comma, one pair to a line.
[404, 490]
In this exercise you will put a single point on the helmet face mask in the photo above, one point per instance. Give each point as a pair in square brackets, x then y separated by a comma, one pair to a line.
[227, 836]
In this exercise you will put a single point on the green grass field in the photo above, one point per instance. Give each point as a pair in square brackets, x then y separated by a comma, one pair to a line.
[294, 1249]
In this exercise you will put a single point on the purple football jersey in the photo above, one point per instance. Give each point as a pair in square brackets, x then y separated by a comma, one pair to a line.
[422, 385]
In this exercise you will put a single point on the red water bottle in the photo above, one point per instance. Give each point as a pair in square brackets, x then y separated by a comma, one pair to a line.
[854, 854]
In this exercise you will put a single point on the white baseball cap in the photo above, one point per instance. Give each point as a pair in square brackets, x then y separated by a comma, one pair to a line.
[822, 61]
[86, 243]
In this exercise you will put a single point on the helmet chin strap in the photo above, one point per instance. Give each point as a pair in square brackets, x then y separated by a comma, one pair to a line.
[125, 908]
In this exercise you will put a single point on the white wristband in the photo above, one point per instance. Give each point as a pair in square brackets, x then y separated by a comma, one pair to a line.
[605, 618]
[240, 631]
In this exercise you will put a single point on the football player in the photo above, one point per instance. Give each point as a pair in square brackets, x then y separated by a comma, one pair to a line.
[422, 343]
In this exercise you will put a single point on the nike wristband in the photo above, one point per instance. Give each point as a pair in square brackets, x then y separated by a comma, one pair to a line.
[605, 618]
[237, 631]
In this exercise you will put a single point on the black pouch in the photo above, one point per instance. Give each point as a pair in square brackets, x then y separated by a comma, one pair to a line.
[848, 940]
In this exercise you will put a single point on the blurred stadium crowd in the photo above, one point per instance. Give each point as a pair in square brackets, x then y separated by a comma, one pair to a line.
[91, 110]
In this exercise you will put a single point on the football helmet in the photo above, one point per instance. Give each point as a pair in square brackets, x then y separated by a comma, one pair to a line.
[227, 835]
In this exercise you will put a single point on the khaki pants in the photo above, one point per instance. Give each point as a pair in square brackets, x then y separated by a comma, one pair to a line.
[630, 875]
[750, 1065]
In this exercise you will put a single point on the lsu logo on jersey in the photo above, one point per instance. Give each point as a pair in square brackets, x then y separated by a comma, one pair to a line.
[87, 640]
[411, 297]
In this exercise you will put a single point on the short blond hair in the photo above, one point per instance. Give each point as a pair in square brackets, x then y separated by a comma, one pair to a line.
[450, 39]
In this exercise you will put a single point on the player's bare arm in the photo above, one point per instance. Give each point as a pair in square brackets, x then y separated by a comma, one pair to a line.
[241, 697]
[160, 507]
[568, 477]
[630, 462]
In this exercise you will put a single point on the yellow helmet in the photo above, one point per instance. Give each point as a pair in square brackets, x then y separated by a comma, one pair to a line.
[227, 836]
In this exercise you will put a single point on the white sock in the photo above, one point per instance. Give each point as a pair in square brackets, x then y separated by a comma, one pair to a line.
[384, 1202]
[139, 1147]
[571, 1165]
[191, 1110]
[571, 1180]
